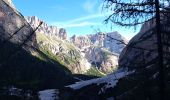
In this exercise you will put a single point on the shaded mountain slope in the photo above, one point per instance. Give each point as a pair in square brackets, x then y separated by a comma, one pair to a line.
[18, 65]
[24, 70]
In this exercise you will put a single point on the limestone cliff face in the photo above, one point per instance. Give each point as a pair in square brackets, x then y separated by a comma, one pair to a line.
[9, 1]
[65, 52]
[100, 49]
[46, 29]
[101, 58]
[101, 40]
[141, 49]
[81, 41]
[13, 26]
[54, 40]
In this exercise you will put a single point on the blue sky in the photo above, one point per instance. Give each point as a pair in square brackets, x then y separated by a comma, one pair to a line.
[78, 17]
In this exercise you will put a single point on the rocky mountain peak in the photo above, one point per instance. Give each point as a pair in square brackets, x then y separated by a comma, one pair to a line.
[101, 40]
[9, 2]
[62, 34]
[47, 29]
[81, 41]
[13, 27]
[100, 49]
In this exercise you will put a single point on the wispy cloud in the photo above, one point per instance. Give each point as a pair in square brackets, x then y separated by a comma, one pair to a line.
[81, 24]
[86, 18]
[89, 5]
[93, 16]
[81, 21]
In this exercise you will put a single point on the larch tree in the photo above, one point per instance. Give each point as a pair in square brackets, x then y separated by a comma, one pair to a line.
[136, 12]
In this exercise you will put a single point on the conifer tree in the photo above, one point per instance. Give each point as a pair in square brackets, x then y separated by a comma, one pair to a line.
[136, 12]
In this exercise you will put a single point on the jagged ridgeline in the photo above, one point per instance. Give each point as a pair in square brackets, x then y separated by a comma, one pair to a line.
[21, 63]
[95, 55]
[53, 42]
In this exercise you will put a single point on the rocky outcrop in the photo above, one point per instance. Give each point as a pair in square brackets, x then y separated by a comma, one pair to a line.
[62, 34]
[101, 58]
[141, 55]
[142, 50]
[46, 29]
[65, 52]
[9, 1]
[109, 41]
[13, 26]
[110, 64]
[81, 41]
[101, 49]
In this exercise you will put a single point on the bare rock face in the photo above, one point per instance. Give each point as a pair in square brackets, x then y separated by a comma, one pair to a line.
[67, 53]
[62, 34]
[54, 40]
[141, 49]
[81, 41]
[8, 1]
[102, 59]
[110, 64]
[100, 49]
[13, 26]
[102, 40]
[46, 29]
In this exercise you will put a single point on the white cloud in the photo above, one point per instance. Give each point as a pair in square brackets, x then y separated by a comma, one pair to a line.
[81, 21]
[89, 5]
[93, 16]
[81, 24]
[85, 18]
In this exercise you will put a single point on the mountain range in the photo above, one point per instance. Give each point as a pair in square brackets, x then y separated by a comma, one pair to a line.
[80, 53]
[35, 56]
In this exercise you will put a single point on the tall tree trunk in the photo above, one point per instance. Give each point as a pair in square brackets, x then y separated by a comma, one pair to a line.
[160, 52]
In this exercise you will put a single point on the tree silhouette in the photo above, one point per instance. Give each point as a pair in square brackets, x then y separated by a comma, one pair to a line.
[135, 12]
